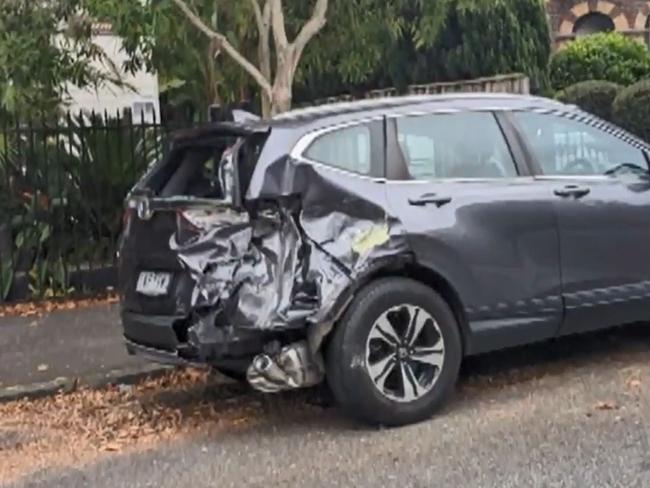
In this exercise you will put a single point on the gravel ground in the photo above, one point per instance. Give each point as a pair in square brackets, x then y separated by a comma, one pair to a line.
[574, 412]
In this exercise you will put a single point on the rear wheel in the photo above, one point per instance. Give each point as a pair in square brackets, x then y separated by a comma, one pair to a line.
[395, 355]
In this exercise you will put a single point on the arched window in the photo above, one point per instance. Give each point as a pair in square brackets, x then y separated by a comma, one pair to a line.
[592, 24]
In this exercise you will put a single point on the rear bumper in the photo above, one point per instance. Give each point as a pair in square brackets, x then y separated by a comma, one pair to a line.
[163, 339]
[155, 355]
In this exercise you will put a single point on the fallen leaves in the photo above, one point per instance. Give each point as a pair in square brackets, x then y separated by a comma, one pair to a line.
[111, 446]
[74, 428]
[606, 406]
[38, 308]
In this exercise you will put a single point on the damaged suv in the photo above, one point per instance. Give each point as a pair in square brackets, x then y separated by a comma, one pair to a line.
[374, 244]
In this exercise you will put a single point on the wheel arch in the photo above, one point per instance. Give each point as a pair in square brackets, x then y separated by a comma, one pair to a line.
[430, 278]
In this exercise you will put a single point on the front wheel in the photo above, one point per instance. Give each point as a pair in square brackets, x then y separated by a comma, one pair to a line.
[394, 357]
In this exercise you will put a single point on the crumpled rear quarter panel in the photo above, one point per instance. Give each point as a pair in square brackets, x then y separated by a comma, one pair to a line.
[310, 231]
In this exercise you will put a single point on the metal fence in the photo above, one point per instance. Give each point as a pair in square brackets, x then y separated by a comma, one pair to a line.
[62, 184]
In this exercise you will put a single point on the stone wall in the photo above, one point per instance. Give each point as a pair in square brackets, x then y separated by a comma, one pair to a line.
[629, 16]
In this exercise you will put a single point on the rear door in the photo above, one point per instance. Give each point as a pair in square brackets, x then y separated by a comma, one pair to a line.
[197, 180]
[602, 198]
[476, 217]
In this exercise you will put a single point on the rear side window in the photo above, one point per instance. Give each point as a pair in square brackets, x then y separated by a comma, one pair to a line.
[347, 148]
[563, 146]
[461, 145]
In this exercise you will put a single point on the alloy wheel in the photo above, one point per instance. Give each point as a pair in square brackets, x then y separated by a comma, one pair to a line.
[404, 353]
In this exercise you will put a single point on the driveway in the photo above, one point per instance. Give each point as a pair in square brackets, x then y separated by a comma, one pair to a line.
[573, 412]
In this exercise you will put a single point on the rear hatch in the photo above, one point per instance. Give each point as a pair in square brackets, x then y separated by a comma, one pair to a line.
[206, 170]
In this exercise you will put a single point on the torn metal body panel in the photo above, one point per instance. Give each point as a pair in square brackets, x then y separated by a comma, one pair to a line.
[284, 258]
[286, 267]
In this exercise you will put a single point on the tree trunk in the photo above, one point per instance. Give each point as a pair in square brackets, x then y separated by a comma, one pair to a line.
[267, 106]
[283, 83]
[281, 99]
[288, 53]
[264, 54]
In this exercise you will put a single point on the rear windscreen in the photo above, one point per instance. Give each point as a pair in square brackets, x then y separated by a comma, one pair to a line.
[207, 170]
[190, 170]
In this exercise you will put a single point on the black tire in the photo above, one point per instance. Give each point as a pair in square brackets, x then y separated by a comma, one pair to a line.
[347, 373]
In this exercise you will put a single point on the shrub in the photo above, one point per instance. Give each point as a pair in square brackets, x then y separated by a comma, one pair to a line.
[594, 96]
[606, 56]
[632, 109]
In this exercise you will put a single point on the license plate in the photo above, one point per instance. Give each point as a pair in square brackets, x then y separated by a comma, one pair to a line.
[153, 284]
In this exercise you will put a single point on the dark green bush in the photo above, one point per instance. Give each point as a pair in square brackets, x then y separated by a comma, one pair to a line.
[593, 96]
[606, 56]
[632, 109]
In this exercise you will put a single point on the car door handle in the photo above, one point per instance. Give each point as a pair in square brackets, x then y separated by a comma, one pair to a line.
[430, 199]
[574, 191]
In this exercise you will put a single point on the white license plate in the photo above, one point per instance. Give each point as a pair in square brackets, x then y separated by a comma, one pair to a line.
[153, 284]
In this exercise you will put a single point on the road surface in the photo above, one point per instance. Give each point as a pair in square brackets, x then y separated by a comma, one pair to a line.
[573, 412]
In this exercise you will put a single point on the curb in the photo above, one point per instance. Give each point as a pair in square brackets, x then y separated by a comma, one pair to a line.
[124, 376]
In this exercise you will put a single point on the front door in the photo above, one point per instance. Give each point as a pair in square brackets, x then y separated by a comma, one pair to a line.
[602, 193]
[479, 223]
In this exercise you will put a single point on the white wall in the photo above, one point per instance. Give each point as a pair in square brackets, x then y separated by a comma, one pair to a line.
[111, 98]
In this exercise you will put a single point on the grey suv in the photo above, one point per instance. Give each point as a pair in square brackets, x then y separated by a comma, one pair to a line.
[375, 244]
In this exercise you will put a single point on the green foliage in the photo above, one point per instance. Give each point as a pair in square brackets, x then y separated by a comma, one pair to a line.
[49, 279]
[365, 44]
[404, 42]
[605, 56]
[353, 51]
[489, 37]
[632, 109]
[102, 162]
[594, 96]
[156, 37]
[43, 46]
[63, 189]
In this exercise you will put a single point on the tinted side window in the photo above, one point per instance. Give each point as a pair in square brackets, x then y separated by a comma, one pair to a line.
[347, 148]
[569, 147]
[463, 145]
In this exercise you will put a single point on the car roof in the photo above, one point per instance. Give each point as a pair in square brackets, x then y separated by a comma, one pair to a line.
[306, 118]
[467, 101]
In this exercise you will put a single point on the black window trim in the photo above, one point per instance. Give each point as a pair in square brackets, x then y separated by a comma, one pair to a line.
[514, 147]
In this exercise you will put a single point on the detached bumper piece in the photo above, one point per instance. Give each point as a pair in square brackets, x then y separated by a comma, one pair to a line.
[293, 367]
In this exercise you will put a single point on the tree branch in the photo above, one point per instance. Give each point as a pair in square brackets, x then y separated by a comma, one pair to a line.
[279, 31]
[258, 15]
[228, 48]
[312, 26]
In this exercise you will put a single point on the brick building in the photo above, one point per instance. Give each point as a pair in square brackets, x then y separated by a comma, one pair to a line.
[576, 18]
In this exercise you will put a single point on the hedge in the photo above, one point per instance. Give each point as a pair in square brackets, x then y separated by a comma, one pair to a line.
[606, 56]
[593, 96]
[632, 109]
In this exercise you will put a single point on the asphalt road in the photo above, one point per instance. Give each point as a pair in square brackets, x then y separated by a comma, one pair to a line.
[574, 412]
[36, 349]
